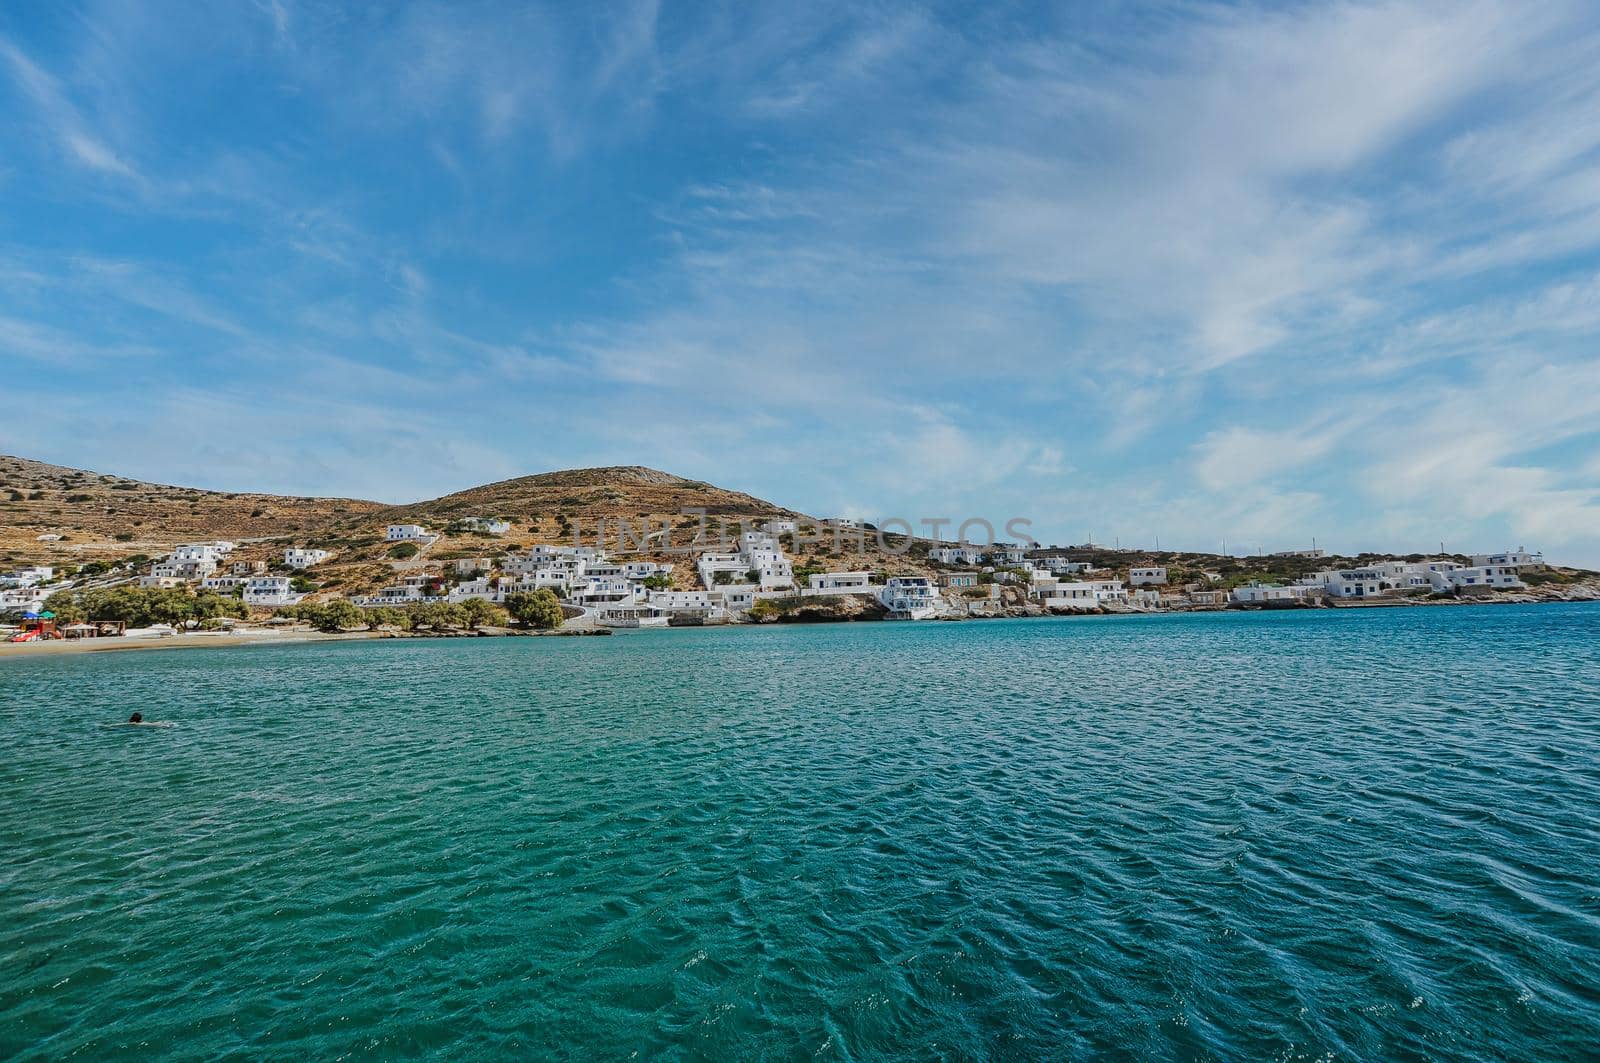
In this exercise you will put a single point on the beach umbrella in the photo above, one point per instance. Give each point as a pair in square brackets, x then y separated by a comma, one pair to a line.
[31, 616]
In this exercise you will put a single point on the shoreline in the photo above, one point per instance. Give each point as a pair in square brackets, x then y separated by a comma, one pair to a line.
[191, 640]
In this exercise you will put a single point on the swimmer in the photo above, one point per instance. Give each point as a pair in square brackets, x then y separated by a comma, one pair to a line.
[138, 720]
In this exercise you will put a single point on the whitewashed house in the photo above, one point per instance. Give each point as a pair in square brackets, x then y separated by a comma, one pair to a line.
[1147, 576]
[1265, 593]
[249, 568]
[910, 597]
[31, 576]
[190, 568]
[26, 599]
[486, 525]
[304, 558]
[1066, 594]
[270, 591]
[759, 553]
[958, 554]
[472, 588]
[1109, 590]
[681, 601]
[1508, 559]
[1350, 583]
[467, 566]
[1492, 576]
[1060, 566]
[212, 551]
[840, 583]
[408, 533]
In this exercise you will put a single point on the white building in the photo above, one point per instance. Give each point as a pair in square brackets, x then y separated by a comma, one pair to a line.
[190, 568]
[1059, 565]
[297, 558]
[840, 583]
[26, 599]
[249, 568]
[270, 590]
[487, 525]
[760, 556]
[466, 566]
[545, 555]
[1510, 559]
[1109, 590]
[1007, 554]
[408, 533]
[958, 554]
[28, 577]
[212, 551]
[1265, 593]
[631, 614]
[472, 588]
[1062, 594]
[1148, 576]
[910, 597]
[681, 601]
[1486, 576]
[1351, 583]
[781, 527]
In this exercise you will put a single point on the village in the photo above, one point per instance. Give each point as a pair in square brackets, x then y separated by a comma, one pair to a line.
[751, 576]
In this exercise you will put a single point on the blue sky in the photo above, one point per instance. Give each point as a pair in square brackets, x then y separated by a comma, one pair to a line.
[1192, 271]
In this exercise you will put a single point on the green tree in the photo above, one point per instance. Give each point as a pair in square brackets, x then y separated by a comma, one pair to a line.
[540, 609]
[402, 551]
[338, 615]
[437, 616]
[658, 581]
[387, 616]
[480, 613]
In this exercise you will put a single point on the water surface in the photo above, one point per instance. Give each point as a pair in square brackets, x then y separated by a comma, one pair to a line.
[1359, 834]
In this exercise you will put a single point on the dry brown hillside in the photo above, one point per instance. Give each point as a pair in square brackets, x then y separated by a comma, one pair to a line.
[625, 491]
[105, 516]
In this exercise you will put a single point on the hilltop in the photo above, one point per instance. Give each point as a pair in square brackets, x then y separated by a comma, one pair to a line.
[616, 491]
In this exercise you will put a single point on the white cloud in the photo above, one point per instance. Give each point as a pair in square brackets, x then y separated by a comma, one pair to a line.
[61, 118]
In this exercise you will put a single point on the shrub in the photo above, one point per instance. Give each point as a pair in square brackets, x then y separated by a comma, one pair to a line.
[402, 551]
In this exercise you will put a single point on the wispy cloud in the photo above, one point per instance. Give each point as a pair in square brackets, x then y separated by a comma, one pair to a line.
[60, 118]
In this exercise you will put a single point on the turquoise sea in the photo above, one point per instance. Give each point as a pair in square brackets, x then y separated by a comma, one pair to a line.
[1336, 834]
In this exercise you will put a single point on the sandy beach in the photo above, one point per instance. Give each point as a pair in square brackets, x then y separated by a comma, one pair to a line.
[186, 640]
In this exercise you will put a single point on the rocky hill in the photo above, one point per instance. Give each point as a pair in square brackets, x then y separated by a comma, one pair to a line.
[54, 514]
[631, 492]
[99, 516]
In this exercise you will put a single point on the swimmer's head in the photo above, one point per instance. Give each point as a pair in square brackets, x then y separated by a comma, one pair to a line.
[137, 717]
